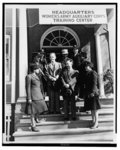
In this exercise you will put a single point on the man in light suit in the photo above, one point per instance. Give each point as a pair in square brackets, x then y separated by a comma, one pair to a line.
[52, 72]
[69, 89]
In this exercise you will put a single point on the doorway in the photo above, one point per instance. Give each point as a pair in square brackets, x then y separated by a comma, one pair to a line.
[57, 38]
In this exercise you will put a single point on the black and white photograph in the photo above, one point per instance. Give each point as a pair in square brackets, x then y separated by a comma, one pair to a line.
[59, 74]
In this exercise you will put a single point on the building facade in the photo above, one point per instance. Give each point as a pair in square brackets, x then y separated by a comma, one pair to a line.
[29, 28]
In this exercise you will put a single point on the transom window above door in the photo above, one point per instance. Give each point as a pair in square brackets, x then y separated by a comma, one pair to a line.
[60, 37]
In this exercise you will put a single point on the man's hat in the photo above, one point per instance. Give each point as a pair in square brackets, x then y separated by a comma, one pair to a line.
[65, 51]
[75, 47]
[83, 54]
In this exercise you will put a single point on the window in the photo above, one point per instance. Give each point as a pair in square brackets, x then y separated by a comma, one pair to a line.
[59, 37]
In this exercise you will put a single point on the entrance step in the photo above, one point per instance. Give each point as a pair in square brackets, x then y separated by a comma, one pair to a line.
[43, 120]
[99, 137]
[54, 129]
[83, 116]
[64, 125]
[84, 134]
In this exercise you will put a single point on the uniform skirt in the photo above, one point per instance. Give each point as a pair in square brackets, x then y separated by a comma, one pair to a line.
[36, 107]
[92, 103]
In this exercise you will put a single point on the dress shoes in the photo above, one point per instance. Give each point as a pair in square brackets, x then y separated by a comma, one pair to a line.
[82, 109]
[34, 129]
[45, 113]
[74, 118]
[94, 126]
[57, 112]
[51, 112]
[66, 119]
[37, 120]
[91, 123]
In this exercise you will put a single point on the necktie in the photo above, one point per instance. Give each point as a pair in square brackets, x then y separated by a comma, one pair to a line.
[68, 74]
[53, 68]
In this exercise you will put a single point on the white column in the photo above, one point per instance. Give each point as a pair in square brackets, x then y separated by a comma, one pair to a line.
[13, 55]
[112, 37]
[99, 65]
[23, 51]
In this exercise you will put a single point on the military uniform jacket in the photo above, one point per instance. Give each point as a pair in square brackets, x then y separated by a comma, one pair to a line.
[34, 87]
[91, 83]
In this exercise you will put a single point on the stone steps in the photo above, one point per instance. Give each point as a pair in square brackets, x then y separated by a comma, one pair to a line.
[54, 129]
[86, 133]
[105, 109]
[49, 121]
[93, 138]
[64, 125]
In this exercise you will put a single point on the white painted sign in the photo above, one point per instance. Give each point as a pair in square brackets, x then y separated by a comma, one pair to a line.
[75, 16]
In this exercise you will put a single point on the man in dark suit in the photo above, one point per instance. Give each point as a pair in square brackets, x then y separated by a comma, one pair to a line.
[64, 57]
[69, 89]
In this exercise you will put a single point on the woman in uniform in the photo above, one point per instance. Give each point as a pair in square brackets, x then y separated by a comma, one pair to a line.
[35, 100]
[91, 93]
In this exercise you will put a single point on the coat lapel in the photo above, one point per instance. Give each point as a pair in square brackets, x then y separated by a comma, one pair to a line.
[35, 76]
[56, 66]
[52, 69]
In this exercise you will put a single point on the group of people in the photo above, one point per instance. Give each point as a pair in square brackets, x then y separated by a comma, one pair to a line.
[71, 78]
